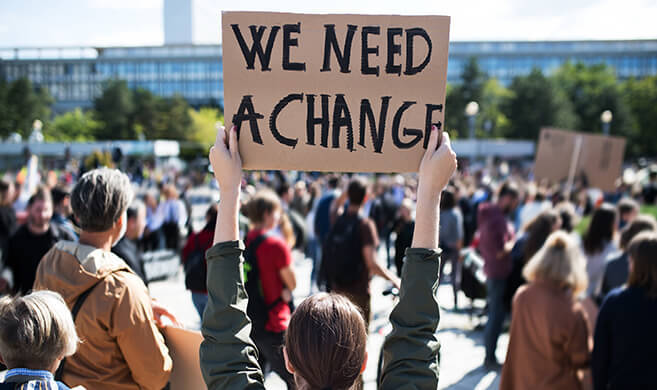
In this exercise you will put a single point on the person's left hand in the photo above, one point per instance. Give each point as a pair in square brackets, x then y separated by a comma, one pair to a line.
[160, 311]
[225, 160]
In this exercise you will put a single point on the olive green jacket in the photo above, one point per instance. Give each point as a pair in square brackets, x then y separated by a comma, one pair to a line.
[229, 358]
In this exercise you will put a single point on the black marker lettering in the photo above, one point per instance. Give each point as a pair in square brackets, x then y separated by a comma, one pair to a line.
[246, 112]
[274, 116]
[366, 50]
[288, 41]
[428, 122]
[393, 49]
[395, 129]
[410, 34]
[256, 35]
[312, 121]
[330, 40]
[342, 118]
[367, 114]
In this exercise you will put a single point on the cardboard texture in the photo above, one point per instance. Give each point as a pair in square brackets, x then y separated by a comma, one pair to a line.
[600, 158]
[183, 347]
[304, 86]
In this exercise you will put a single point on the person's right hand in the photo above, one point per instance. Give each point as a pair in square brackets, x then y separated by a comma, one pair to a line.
[438, 164]
[225, 160]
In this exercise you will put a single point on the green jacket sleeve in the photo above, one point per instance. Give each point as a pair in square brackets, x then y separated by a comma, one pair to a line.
[411, 350]
[229, 358]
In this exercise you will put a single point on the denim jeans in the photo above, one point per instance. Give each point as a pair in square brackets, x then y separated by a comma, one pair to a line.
[199, 300]
[496, 315]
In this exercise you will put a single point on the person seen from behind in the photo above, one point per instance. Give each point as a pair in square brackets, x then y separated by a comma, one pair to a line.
[193, 257]
[451, 239]
[122, 349]
[128, 247]
[549, 337]
[7, 227]
[597, 244]
[36, 333]
[325, 344]
[495, 231]
[625, 339]
[349, 258]
[276, 280]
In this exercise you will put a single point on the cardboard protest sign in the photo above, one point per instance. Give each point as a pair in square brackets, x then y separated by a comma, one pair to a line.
[334, 92]
[597, 158]
[183, 347]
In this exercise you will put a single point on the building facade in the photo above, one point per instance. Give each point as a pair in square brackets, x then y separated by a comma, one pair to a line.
[74, 76]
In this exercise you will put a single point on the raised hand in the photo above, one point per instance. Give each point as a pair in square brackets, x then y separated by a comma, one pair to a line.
[226, 161]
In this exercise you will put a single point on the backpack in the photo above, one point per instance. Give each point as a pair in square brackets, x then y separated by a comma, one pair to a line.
[257, 309]
[342, 254]
[196, 268]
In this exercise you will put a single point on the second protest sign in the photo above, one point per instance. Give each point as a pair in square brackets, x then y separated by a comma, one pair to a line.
[334, 92]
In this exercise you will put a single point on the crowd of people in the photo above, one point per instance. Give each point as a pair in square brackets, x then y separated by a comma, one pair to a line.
[581, 302]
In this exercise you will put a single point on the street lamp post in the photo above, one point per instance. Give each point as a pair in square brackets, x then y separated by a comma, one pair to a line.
[606, 118]
[471, 110]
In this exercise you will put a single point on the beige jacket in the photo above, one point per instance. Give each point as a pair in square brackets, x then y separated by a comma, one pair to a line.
[121, 347]
[548, 342]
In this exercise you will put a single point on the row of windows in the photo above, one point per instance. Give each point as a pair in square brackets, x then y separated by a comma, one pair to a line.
[88, 91]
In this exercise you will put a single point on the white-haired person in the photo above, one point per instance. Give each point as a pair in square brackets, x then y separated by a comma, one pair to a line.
[36, 333]
[549, 337]
[112, 309]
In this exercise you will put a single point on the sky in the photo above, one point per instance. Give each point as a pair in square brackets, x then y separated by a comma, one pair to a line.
[46, 23]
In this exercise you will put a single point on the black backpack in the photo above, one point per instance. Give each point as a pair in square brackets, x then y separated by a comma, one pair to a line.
[257, 309]
[196, 269]
[342, 254]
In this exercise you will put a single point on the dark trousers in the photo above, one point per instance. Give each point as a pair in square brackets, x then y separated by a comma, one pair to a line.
[496, 315]
[270, 348]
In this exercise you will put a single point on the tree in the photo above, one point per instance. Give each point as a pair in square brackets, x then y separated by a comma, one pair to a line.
[146, 111]
[204, 125]
[74, 125]
[173, 120]
[592, 90]
[536, 101]
[114, 108]
[492, 121]
[458, 96]
[641, 97]
[21, 103]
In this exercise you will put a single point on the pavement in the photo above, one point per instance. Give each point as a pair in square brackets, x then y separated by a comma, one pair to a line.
[460, 334]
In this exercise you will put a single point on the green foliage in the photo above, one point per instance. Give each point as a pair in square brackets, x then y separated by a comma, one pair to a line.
[204, 122]
[74, 125]
[20, 104]
[115, 108]
[458, 96]
[536, 101]
[641, 97]
[592, 90]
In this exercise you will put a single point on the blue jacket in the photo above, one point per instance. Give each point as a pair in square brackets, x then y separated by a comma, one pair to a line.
[26, 379]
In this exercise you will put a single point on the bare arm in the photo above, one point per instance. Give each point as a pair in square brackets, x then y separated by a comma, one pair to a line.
[369, 254]
[288, 277]
[227, 166]
[436, 168]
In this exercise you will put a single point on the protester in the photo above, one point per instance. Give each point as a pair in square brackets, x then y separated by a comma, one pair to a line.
[404, 229]
[193, 257]
[322, 221]
[495, 231]
[293, 220]
[451, 239]
[548, 341]
[36, 333]
[326, 340]
[532, 238]
[61, 201]
[598, 243]
[649, 191]
[153, 235]
[174, 217]
[349, 257]
[122, 349]
[625, 339]
[617, 267]
[277, 280]
[7, 228]
[32, 240]
[628, 209]
[127, 248]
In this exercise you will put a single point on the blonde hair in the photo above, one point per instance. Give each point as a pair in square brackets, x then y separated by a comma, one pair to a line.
[559, 261]
[36, 330]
